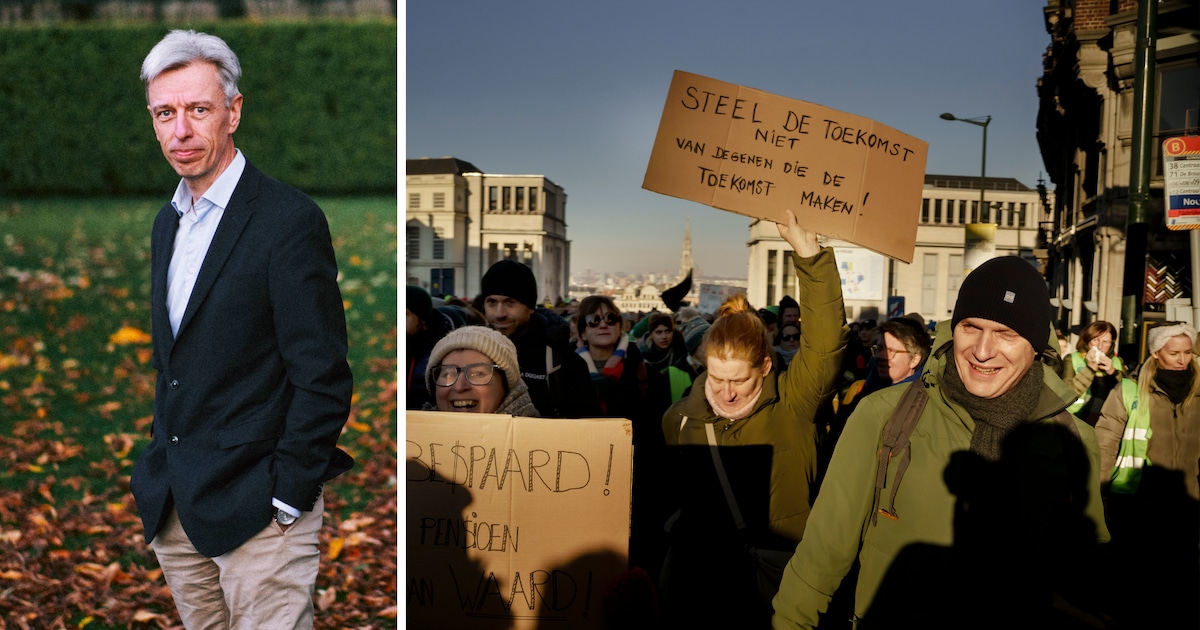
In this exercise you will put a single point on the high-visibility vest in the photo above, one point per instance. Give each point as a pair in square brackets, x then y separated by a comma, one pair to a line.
[1078, 362]
[1131, 456]
[679, 380]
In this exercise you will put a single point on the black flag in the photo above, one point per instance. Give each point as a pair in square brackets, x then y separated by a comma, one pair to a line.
[673, 297]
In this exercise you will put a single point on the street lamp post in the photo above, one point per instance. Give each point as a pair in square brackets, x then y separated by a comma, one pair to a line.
[981, 121]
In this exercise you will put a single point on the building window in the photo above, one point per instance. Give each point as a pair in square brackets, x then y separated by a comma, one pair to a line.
[771, 256]
[414, 201]
[929, 284]
[954, 278]
[788, 272]
[986, 215]
[493, 195]
[1012, 214]
[520, 199]
[413, 232]
[510, 251]
[527, 255]
[962, 212]
[493, 253]
[439, 245]
[1024, 217]
[937, 210]
[974, 212]
[924, 211]
[506, 194]
[439, 200]
[533, 197]
[551, 204]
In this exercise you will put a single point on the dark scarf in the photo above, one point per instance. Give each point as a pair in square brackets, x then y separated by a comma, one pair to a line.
[1176, 383]
[994, 417]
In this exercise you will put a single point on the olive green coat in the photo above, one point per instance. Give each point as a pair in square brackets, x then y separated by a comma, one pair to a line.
[840, 528]
[785, 416]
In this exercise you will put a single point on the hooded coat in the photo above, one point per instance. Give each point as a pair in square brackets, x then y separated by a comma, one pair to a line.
[840, 529]
[785, 415]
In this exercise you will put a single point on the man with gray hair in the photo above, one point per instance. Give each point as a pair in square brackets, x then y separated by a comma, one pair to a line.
[253, 387]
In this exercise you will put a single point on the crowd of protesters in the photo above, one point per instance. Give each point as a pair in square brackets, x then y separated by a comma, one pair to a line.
[770, 445]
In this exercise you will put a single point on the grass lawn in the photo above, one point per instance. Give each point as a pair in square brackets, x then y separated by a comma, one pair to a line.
[76, 394]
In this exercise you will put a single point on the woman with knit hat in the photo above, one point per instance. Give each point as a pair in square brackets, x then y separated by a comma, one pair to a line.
[1149, 435]
[665, 353]
[474, 369]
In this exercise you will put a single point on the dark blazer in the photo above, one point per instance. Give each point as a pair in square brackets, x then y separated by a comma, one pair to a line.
[255, 389]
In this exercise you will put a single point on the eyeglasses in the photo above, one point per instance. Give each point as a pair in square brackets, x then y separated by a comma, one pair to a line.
[891, 352]
[476, 373]
[789, 337]
[593, 320]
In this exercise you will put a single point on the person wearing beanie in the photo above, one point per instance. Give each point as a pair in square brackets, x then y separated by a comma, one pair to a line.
[424, 326]
[981, 393]
[692, 330]
[557, 378]
[474, 369]
[1149, 433]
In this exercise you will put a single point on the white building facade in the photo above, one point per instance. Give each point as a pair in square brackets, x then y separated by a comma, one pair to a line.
[459, 221]
[928, 285]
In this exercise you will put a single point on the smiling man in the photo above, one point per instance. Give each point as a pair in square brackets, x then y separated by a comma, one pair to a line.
[558, 379]
[982, 390]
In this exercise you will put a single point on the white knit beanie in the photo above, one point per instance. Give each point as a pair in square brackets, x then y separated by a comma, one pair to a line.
[1158, 336]
[491, 343]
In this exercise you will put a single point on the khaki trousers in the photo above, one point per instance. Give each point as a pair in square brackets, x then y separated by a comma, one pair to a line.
[266, 583]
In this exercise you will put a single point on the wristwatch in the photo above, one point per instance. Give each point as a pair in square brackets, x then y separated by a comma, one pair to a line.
[283, 518]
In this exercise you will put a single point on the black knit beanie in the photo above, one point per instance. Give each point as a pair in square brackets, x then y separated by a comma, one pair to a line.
[1009, 291]
[511, 279]
[418, 301]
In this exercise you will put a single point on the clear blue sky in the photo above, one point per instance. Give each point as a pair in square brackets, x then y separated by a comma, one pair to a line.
[575, 90]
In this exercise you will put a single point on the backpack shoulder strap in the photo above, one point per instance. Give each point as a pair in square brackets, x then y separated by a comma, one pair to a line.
[896, 437]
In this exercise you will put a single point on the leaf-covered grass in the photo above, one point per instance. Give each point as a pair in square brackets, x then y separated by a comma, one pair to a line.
[76, 395]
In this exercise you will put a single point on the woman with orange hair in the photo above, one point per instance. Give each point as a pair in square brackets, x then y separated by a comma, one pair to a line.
[742, 399]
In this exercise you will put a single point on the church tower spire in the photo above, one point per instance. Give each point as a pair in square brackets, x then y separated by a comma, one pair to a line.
[685, 261]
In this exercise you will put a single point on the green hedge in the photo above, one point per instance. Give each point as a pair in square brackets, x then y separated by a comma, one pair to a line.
[319, 110]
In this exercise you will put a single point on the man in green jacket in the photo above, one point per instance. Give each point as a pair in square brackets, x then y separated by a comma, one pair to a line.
[995, 477]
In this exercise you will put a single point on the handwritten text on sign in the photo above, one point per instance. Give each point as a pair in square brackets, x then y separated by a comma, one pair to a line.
[758, 154]
[513, 520]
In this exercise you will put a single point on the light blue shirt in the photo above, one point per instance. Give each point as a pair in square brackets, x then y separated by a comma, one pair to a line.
[197, 224]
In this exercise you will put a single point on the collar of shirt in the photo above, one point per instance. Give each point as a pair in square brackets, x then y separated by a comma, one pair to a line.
[218, 194]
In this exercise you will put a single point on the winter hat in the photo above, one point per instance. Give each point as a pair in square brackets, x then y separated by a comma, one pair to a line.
[693, 333]
[1009, 291]
[511, 279]
[1158, 336]
[418, 301]
[492, 344]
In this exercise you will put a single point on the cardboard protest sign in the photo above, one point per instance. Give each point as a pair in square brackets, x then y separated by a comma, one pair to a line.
[514, 522]
[712, 296]
[754, 153]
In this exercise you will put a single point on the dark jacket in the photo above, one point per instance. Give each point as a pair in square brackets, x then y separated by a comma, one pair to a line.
[562, 389]
[253, 392]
